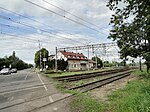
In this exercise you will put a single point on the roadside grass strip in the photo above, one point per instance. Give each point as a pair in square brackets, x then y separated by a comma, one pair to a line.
[85, 103]
[134, 97]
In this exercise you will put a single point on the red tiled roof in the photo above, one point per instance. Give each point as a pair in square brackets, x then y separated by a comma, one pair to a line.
[74, 56]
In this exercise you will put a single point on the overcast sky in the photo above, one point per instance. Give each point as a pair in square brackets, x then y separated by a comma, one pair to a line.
[55, 31]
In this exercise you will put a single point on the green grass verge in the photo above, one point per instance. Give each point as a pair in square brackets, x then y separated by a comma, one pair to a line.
[142, 73]
[134, 97]
[85, 103]
[71, 73]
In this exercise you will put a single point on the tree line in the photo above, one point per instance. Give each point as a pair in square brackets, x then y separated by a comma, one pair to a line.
[41, 60]
[13, 62]
[62, 64]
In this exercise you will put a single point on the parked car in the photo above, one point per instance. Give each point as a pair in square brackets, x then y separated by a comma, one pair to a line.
[5, 71]
[13, 70]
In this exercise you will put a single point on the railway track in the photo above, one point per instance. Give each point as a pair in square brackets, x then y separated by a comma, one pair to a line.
[81, 89]
[33, 99]
[24, 88]
[77, 77]
[62, 99]
[25, 101]
[87, 87]
[99, 83]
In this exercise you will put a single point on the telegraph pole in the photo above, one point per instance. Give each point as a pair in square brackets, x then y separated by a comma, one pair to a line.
[44, 59]
[40, 55]
[56, 60]
[88, 59]
[96, 59]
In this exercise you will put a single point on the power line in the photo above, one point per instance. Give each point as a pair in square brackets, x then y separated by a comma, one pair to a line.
[32, 20]
[13, 27]
[63, 16]
[16, 36]
[71, 13]
[10, 19]
[102, 45]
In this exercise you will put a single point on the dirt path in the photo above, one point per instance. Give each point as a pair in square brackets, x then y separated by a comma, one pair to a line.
[102, 92]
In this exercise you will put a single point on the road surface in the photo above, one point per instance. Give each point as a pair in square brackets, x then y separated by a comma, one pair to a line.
[28, 91]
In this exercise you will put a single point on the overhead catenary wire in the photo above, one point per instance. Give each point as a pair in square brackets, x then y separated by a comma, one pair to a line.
[14, 27]
[18, 28]
[19, 37]
[64, 17]
[51, 28]
[10, 19]
[20, 22]
[71, 14]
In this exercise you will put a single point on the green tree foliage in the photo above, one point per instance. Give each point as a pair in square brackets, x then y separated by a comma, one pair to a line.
[2, 62]
[61, 64]
[51, 64]
[131, 27]
[14, 61]
[99, 62]
[44, 54]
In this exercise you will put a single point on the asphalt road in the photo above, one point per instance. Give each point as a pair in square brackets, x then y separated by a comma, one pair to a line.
[28, 91]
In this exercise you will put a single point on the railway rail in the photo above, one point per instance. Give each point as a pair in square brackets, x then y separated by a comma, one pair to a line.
[24, 88]
[89, 86]
[32, 99]
[99, 83]
[121, 73]
[77, 77]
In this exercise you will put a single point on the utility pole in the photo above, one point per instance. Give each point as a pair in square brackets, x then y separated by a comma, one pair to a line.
[56, 60]
[140, 63]
[40, 55]
[96, 59]
[88, 58]
[76, 52]
[44, 59]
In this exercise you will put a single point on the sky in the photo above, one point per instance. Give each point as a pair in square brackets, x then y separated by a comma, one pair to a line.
[52, 23]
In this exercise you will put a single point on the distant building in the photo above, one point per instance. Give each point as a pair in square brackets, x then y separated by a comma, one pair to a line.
[76, 61]
[51, 57]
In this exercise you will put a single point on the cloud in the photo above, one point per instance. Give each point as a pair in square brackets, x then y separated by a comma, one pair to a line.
[60, 31]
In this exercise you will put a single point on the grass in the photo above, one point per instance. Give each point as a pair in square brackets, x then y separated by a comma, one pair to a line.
[142, 73]
[85, 103]
[134, 97]
[82, 82]
[71, 73]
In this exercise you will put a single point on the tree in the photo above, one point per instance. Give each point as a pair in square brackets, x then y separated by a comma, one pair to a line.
[14, 61]
[99, 62]
[61, 64]
[2, 63]
[44, 54]
[133, 37]
[51, 64]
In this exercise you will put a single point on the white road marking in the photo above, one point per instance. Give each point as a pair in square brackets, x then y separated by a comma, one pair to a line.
[20, 90]
[26, 77]
[55, 109]
[11, 98]
[50, 98]
[42, 83]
